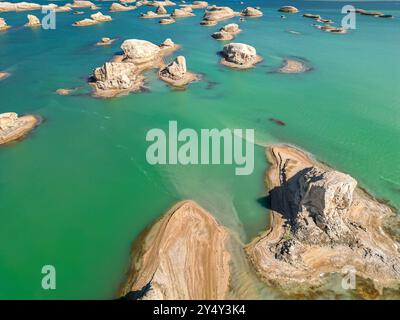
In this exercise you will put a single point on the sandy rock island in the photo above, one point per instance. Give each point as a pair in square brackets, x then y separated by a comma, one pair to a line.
[320, 223]
[13, 127]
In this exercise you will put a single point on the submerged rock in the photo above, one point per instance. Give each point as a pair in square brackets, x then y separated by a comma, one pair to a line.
[13, 127]
[33, 21]
[105, 42]
[65, 91]
[321, 222]
[4, 75]
[176, 73]
[288, 9]
[239, 55]
[291, 65]
[182, 256]
[251, 12]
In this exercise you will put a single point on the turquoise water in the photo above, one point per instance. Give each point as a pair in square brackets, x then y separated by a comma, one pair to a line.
[78, 190]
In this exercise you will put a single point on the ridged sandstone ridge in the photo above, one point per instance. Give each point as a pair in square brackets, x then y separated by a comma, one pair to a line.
[176, 74]
[196, 5]
[182, 256]
[321, 223]
[13, 127]
[18, 6]
[239, 56]
[115, 7]
[123, 74]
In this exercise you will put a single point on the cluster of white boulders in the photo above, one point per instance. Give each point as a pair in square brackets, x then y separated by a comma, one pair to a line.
[94, 19]
[13, 127]
[227, 32]
[240, 56]
[124, 73]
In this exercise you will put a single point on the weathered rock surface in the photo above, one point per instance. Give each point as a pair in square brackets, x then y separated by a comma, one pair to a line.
[251, 12]
[321, 222]
[82, 4]
[33, 21]
[239, 55]
[18, 6]
[99, 17]
[94, 19]
[167, 21]
[196, 5]
[215, 14]
[140, 51]
[119, 7]
[181, 13]
[227, 32]
[176, 73]
[13, 127]
[85, 22]
[159, 13]
[3, 25]
[288, 9]
[182, 256]
[64, 8]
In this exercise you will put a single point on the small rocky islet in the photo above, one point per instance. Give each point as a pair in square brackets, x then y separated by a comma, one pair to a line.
[14, 127]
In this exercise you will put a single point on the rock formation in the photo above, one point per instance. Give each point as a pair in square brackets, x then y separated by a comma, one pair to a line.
[33, 21]
[159, 13]
[288, 9]
[124, 73]
[215, 14]
[227, 32]
[181, 13]
[176, 73]
[239, 55]
[321, 222]
[18, 6]
[105, 42]
[119, 7]
[13, 127]
[3, 25]
[82, 4]
[64, 8]
[311, 16]
[182, 256]
[251, 12]
[196, 5]
[167, 21]
[94, 19]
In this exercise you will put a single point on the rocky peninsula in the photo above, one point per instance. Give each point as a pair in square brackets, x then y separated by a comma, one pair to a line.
[182, 256]
[321, 222]
[14, 127]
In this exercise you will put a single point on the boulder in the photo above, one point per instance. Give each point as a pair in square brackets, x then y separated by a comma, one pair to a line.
[85, 22]
[33, 21]
[140, 51]
[216, 14]
[251, 12]
[223, 35]
[167, 21]
[183, 255]
[239, 55]
[288, 9]
[105, 41]
[231, 28]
